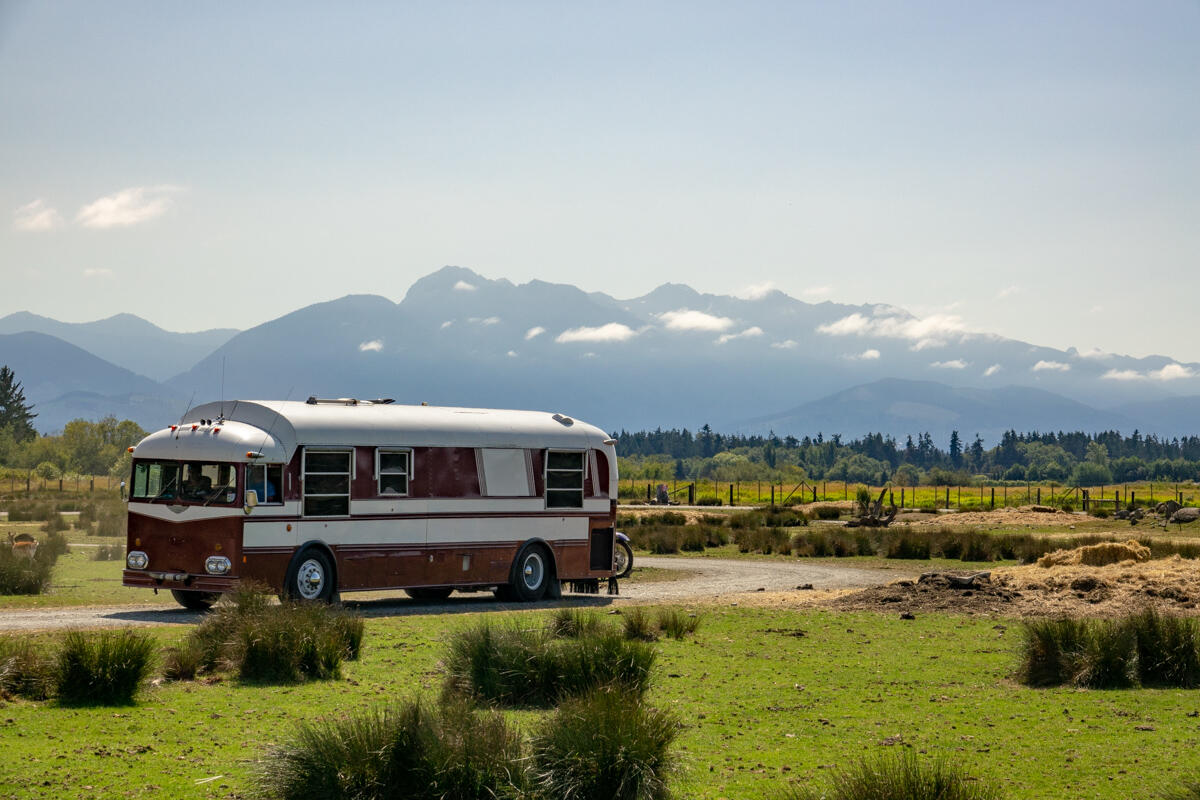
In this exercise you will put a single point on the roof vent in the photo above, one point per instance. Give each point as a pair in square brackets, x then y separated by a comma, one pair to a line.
[564, 419]
[348, 401]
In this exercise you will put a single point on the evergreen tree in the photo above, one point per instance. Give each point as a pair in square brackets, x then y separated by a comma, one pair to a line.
[15, 413]
[955, 449]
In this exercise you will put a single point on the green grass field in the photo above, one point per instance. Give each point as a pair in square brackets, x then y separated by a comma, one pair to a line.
[765, 696]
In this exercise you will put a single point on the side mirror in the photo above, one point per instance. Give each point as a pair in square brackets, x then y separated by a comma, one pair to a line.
[251, 500]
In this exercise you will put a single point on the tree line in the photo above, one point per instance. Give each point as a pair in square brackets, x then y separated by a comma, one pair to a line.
[83, 447]
[1078, 458]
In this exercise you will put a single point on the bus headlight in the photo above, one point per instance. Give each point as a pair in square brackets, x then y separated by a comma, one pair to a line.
[137, 559]
[217, 565]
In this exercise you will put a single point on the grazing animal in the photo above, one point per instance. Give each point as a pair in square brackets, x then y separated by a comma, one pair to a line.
[23, 545]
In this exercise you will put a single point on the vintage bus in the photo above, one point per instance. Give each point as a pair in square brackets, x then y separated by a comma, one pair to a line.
[326, 496]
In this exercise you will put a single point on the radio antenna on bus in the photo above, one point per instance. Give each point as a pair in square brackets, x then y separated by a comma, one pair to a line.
[222, 386]
[188, 407]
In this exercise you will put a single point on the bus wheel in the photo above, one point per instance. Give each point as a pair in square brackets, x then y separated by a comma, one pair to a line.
[429, 592]
[622, 560]
[310, 578]
[196, 601]
[531, 574]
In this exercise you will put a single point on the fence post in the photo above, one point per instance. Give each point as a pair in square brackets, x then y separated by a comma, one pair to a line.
[891, 498]
[993, 498]
[772, 495]
[902, 497]
[1039, 495]
[92, 485]
[1132, 498]
[959, 490]
[60, 484]
[647, 493]
[947, 497]
[731, 494]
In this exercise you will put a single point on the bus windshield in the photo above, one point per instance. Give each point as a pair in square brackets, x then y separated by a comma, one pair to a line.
[185, 482]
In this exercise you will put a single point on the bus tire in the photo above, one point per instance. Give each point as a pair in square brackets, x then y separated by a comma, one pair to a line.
[195, 601]
[622, 560]
[310, 577]
[429, 593]
[531, 573]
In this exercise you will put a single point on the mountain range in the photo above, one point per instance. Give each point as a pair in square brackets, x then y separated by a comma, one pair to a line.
[672, 358]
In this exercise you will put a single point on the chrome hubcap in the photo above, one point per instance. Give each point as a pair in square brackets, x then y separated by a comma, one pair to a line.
[311, 579]
[533, 570]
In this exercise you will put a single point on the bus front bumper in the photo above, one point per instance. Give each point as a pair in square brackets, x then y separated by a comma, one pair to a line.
[154, 579]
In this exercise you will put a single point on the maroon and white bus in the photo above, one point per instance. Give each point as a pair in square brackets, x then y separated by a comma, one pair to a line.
[326, 496]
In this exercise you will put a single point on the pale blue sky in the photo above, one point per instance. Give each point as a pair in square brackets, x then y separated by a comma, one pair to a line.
[1031, 167]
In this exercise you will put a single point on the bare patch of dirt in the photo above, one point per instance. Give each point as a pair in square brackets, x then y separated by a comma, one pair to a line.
[1075, 588]
[1006, 517]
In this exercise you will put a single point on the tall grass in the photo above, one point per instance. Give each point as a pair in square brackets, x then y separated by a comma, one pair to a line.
[605, 744]
[514, 666]
[104, 668]
[898, 777]
[25, 671]
[410, 751]
[1147, 648]
[263, 642]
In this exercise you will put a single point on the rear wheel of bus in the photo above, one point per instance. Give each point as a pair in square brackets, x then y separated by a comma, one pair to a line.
[531, 574]
[310, 578]
[195, 601]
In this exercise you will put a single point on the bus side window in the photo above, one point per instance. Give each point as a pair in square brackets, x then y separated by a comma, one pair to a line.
[266, 480]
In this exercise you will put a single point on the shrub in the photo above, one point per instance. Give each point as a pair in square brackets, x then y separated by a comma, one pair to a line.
[111, 524]
[712, 520]
[410, 751]
[826, 512]
[1099, 513]
[108, 552]
[665, 518]
[862, 499]
[513, 666]
[785, 518]
[183, 662]
[636, 625]
[606, 744]
[1103, 654]
[104, 668]
[55, 524]
[25, 575]
[708, 501]
[899, 777]
[903, 543]
[24, 670]
[676, 624]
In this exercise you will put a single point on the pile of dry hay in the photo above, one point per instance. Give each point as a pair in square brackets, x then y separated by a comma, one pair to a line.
[1097, 580]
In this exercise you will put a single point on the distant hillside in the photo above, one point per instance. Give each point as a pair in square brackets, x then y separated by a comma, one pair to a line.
[900, 407]
[64, 382]
[674, 357]
[127, 341]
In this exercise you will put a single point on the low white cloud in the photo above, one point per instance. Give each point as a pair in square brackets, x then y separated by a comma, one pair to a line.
[534, 332]
[511, 353]
[786, 344]
[37, 217]
[931, 331]
[127, 207]
[447, 324]
[1051, 366]
[956, 363]
[373, 346]
[755, 291]
[816, 292]
[687, 320]
[1123, 375]
[1172, 372]
[612, 332]
[746, 334]
[1095, 353]
[97, 272]
[1008, 291]
[866, 355]
[484, 320]
[463, 286]
[992, 370]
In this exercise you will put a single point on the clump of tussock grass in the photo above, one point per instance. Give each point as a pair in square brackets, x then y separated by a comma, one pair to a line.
[637, 625]
[836, 543]
[105, 668]
[514, 666]
[267, 643]
[25, 670]
[20, 575]
[1147, 648]
[762, 540]
[572, 623]
[905, 543]
[826, 512]
[1185, 791]
[55, 524]
[604, 744]
[450, 753]
[676, 623]
[665, 518]
[898, 777]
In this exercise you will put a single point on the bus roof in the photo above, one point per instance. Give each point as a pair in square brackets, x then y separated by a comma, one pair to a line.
[340, 423]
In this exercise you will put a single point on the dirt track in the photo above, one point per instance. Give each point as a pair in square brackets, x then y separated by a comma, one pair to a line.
[704, 580]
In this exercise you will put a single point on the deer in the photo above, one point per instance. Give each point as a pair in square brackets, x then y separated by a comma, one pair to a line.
[23, 545]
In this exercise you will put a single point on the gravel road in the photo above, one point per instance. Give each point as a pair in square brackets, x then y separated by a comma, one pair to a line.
[702, 578]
